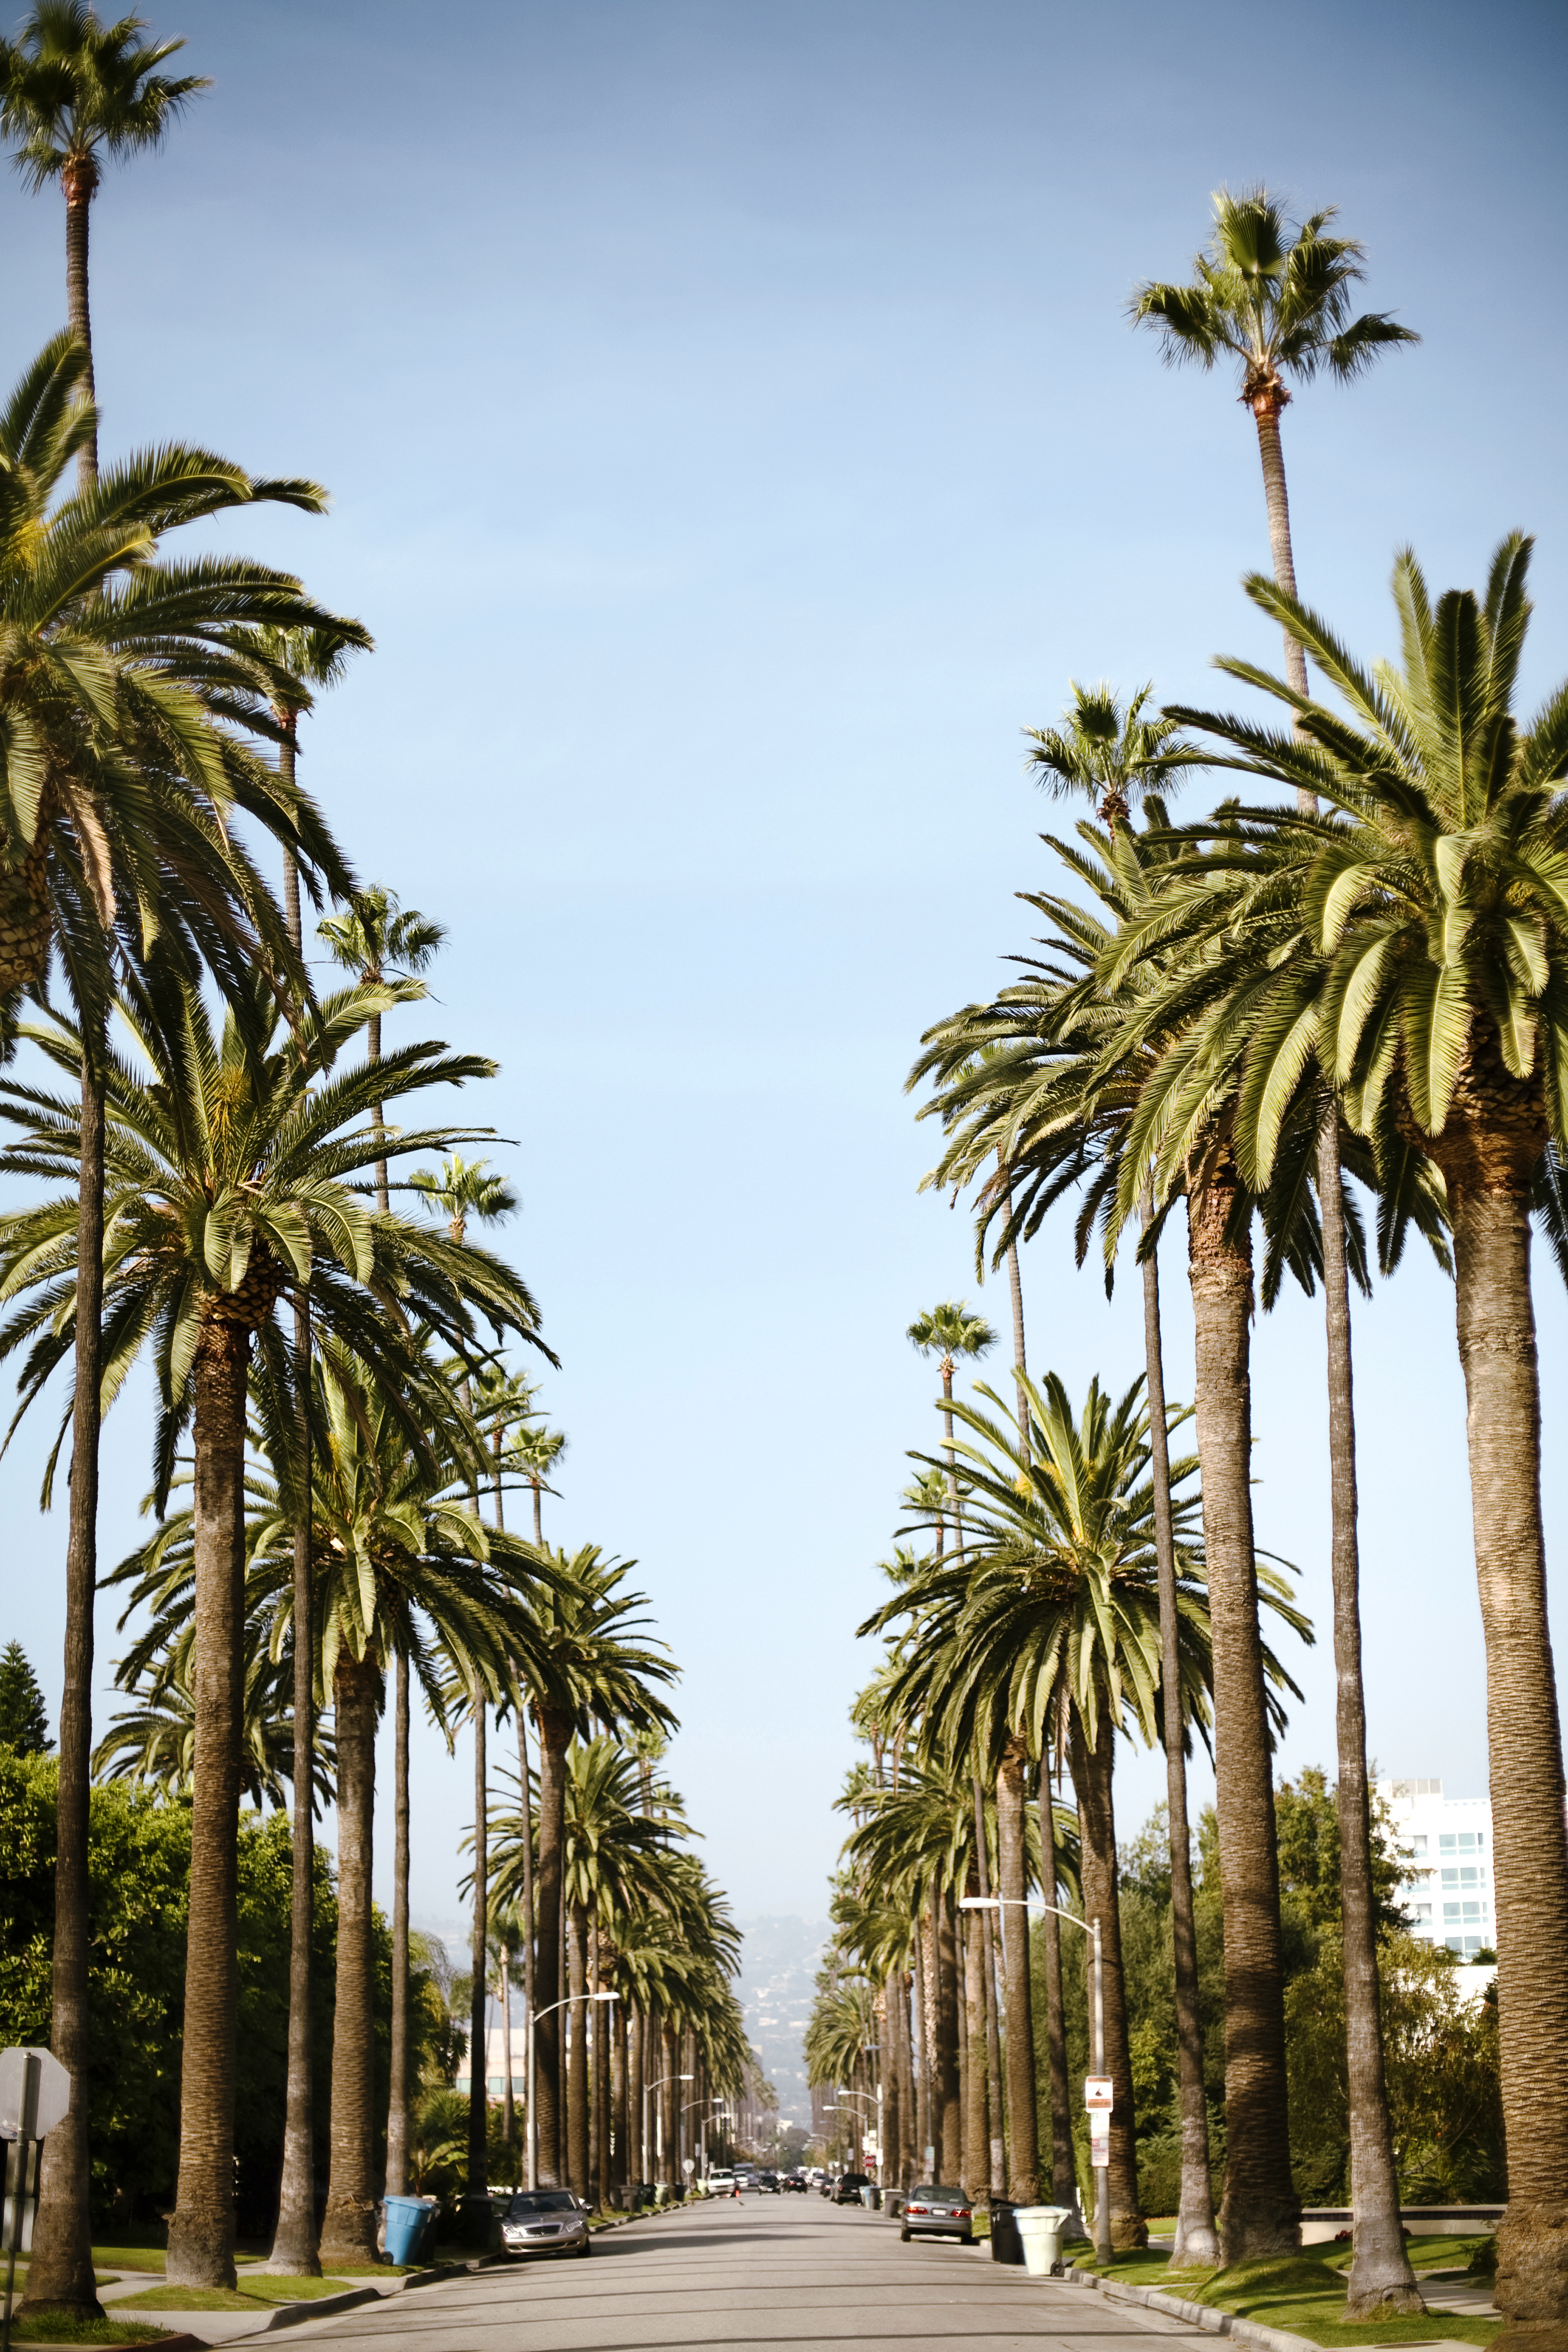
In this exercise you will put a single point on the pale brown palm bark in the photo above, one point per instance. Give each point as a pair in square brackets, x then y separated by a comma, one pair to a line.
[294, 2240]
[79, 181]
[1265, 404]
[1261, 2212]
[1024, 2166]
[950, 2089]
[1488, 1151]
[1064, 2164]
[1381, 2279]
[348, 2226]
[996, 2171]
[922, 2073]
[554, 1736]
[200, 2230]
[59, 2272]
[478, 1980]
[1196, 2241]
[397, 2091]
[1092, 1769]
[976, 2114]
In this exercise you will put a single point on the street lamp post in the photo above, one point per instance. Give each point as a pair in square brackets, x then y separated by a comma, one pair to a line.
[1091, 1929]
[532, 2102]
[658, 2086]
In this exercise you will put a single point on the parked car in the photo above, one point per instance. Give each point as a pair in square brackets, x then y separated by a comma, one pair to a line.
[544, 2222]
[824, 2184]
[721, 2184]
[848, 2187]
[937, 2212]
[796, 2182]
[768, 2184]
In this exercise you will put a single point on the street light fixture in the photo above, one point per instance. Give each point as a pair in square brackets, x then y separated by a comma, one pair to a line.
[1091, 1929]
[532, 2102]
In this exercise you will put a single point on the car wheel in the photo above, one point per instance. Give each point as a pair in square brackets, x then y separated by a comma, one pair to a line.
[586, 2247]
[904, 2236]
[966, 2237]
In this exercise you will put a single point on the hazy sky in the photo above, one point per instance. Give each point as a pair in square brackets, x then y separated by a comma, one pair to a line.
[735, 439]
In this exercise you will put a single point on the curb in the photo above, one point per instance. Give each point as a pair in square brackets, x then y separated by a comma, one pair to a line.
[1196, 2315]
[292, 2314]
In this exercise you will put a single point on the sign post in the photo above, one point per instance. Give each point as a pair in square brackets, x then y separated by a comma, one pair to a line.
[1099, 2097]
[34, 2095]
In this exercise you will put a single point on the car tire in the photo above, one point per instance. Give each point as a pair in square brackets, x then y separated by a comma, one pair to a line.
[586, 2247]
[904, 2237]
[966, 2237]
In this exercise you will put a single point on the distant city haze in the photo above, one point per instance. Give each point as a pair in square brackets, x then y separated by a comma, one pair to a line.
[735, 439]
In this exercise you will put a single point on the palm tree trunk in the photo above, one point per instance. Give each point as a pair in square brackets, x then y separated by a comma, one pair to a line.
[976, 2118]
[294, 2240]
[1381, 2278]
[508, 2117]
[1266, 413]
[201, 2231]
[636, 2154]
[373, 1053]
[397, 2100]
[1091, 1769]
[348, 2226]
[923, 2071]
[80, 182]
[620, 2104]
[947, 2030]
[1197, 2241]
[478, 2038]
[1013, 1869]
[996, 2173]
[554, 1736]
[1020, 1363]
[59, 2272]
[1064, 2159]
[1261, 2211]
[1488, 1198]
[526, 1920]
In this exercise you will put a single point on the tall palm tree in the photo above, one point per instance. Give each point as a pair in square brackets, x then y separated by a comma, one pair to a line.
[465, 1188]
[116, 794]
[1118, 754]
[72, 91]
[1429, 896]
[375, 938]
[596, 1665]
[152, 1742]
[1279, 303]
[225, 1175]
[293, 666]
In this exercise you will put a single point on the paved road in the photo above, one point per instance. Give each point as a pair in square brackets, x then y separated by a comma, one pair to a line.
[766, 2272]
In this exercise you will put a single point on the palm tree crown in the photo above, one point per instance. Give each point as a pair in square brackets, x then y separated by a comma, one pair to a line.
[72, 88]
[1114, 753]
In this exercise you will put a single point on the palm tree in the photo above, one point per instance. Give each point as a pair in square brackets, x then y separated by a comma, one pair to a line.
[116, 795]
[462, 1190]
[379, 940]
[153, 1743]
[1115, 754]
[595, 1666]
[1428, 895]
[374, 937]
[1277, 303]
[292, 664]
[225, 1175]
[72, 90]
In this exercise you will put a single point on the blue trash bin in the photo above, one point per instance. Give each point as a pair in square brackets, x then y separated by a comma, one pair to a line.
[406, 2220]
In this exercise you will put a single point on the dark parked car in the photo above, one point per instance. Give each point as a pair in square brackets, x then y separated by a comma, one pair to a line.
[935, 2212]
[544, 2222]
[768, 2183]
[848, 2187]
[796, 2182]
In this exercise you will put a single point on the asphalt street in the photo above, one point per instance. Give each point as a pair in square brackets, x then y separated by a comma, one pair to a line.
[764, 2272]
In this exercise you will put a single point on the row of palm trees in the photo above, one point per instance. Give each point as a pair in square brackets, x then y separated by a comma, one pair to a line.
[1361, 980]
[331, 1393]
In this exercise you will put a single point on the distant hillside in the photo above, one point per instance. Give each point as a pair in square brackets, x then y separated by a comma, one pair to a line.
[779, 1960]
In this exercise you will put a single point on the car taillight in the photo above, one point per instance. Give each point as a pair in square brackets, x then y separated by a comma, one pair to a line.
[961, 2213]
[917, 2209]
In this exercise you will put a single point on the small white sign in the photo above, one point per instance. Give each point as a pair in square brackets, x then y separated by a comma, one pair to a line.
[53, 2092]
[1098, 2091]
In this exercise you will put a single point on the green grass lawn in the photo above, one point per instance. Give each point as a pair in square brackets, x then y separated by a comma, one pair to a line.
[84, 2331]
[269, 2291]
[1304, 2293]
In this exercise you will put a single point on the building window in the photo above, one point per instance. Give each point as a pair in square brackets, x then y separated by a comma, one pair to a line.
[1466, 1875]
[1424, 1911]
[1417, 1845]
[1461, 1841]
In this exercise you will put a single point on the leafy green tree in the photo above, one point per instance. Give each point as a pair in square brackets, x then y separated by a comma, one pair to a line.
[24, 1718]
[1277, 303]
[73, 90]
[1432, 990]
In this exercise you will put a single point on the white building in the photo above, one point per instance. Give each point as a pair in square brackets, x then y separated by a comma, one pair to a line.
[1448, 1840]
[495, 2069]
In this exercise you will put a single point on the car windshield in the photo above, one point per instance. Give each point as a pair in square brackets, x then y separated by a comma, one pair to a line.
[541, 2200]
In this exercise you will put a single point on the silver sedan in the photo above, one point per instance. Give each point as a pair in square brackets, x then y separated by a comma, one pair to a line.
[544, 2222]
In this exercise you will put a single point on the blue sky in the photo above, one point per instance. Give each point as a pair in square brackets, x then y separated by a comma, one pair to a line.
[735, 439]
